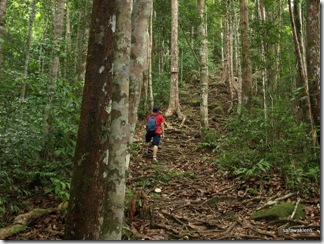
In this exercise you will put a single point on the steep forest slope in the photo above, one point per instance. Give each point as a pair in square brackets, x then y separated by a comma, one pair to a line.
[186, 197]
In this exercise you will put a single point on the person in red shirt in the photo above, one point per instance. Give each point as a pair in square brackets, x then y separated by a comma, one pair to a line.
[157, 134]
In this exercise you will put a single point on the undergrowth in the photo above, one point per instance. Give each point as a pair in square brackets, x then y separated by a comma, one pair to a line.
[255, 146]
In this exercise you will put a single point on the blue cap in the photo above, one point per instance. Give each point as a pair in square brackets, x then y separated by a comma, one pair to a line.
[156, 109]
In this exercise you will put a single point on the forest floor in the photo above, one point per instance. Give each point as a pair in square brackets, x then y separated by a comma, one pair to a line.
[185, 197]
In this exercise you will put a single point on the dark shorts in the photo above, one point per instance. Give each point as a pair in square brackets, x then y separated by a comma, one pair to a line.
[156, 138]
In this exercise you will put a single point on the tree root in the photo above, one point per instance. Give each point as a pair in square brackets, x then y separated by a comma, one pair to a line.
[22, 221]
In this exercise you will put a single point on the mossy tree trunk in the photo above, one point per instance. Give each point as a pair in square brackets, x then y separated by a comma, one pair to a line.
[113, 210]
[85, 216]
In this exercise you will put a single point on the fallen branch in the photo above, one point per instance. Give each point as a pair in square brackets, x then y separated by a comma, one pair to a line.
[295, 209]
[270, 203]
[22, 221]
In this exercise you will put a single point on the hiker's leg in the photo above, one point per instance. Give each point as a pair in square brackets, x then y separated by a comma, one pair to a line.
[156, 143]
[155, 149]
[148, 138]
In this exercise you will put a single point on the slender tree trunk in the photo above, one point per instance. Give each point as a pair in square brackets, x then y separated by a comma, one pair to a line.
[3, 9]
[67, 41]
[115, 181]
[85, 211]
[140, 18]
[313, 59]
[81, 42]
[261, 12]
[246, 59]
[228, 74]
[203, 61]
[54, 67]
[28, 45]
[150, 56]
[301, 67]
[174, 103]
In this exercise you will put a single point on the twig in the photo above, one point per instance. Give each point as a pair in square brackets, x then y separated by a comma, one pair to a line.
[174, 218]
[270, 203]
[230, 228]
[295, 209]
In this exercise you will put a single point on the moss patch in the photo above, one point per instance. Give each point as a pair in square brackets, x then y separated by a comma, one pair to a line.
[279, 211]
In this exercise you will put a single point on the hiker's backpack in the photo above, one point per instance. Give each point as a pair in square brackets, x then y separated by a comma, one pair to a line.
[151, 125]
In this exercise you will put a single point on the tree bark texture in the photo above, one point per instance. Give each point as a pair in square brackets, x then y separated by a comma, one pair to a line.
[113, 211]
[301, 66]
[313, 57]
[139, 62]
[174, 103]
[85, 211]
[203, 61]
[57, 7]
[246, 59]
[28, 45]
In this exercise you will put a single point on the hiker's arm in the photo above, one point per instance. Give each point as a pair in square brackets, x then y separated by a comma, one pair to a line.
[162, 128]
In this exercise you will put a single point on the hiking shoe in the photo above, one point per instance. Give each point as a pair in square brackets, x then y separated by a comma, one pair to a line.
[147, 151]
[155, 161]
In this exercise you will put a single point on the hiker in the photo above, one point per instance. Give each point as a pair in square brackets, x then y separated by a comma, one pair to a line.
[155, 131]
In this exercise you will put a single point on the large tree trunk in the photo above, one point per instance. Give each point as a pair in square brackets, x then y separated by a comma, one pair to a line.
[313, 58]
[84, 217]
[203, 62]
[113, 214]
[174, 103]
[246, 60]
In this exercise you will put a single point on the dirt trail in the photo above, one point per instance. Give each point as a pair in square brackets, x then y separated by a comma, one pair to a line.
[185, 197]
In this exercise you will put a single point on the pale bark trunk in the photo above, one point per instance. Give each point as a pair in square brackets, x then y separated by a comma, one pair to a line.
[228, 74]
[67, 41]
[150, 56]
[85, 211]
[81, 42]
[303, 72]
[54, 67]
[246, 59]
[140, 18]
[28, 45]
[203, 65]
[115, 181]
[174, 103]
[263, 56]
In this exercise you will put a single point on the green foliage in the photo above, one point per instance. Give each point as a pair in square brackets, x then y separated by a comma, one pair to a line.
[60, 189]
[161, 89]
[255, 146]
[210, 138]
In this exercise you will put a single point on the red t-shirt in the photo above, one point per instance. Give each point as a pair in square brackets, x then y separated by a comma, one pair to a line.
[159, 120]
